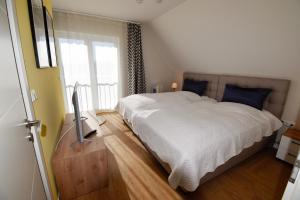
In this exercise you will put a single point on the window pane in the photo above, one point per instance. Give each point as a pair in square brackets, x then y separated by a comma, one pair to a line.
[74, 55]
[106, 55]
[107, 61]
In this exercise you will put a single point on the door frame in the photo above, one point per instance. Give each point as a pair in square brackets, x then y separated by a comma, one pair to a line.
[15, 34]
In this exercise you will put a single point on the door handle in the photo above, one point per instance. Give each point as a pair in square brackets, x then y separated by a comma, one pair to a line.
[32, 123]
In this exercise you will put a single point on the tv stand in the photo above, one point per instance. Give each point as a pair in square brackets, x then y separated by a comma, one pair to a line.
[80, 168]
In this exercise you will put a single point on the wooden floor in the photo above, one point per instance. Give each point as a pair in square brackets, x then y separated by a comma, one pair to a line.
[135, 174]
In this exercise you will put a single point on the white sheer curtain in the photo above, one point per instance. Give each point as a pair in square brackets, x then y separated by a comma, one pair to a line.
[92, 51]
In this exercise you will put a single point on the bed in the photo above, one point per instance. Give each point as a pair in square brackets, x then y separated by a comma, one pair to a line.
[133, 104]
[197, 140]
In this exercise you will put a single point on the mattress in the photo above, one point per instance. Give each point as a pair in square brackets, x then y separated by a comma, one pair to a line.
[198, 137]
[129, 106]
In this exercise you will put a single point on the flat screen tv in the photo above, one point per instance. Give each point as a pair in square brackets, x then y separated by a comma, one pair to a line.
[78, 121]
[84, 129]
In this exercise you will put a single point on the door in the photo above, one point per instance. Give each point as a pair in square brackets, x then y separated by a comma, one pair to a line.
[19, 172]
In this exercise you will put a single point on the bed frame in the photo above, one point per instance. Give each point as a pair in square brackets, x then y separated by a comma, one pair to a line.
[215, 89]
[216, 86]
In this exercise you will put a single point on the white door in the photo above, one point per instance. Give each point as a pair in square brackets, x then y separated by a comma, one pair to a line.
[19, 172]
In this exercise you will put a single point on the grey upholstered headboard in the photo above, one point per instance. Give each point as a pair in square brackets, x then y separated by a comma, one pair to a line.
[275, 102]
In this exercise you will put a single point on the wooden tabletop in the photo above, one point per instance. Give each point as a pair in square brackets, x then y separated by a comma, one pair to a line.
[293, 133]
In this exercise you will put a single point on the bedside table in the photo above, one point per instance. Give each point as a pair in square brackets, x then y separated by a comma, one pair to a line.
[289, 146]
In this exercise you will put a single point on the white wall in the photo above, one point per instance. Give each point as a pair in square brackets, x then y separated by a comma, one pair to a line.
[159, 66]
[242, 37]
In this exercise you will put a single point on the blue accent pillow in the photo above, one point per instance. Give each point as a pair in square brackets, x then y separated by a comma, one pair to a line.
[254, 97]
[198, 87]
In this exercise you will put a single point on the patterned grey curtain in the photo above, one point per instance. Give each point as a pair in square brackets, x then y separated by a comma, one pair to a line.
[136, 71]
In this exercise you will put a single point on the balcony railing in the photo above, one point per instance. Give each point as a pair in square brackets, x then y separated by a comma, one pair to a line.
[106, 99]
[107, 95]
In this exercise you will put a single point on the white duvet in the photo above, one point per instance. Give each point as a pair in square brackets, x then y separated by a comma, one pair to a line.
[129, 106]
[197, 138]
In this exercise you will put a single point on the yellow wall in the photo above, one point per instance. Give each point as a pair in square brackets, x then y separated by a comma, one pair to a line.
[46, 82]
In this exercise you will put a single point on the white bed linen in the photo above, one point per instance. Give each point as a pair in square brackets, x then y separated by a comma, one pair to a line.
[197, 138]
[130, 105]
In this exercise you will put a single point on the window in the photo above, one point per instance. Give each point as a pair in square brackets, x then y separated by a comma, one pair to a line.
[106, 55]
[94, 63]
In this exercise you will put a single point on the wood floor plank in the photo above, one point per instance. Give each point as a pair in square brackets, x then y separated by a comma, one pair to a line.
[132, 168]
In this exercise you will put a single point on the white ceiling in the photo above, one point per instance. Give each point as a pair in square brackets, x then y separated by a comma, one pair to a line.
[119, 9]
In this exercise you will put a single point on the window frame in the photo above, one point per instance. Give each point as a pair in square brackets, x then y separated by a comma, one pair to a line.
[88, 40]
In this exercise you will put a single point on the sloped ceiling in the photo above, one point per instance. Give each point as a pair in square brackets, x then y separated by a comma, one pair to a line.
[257, 38]
[119, 9]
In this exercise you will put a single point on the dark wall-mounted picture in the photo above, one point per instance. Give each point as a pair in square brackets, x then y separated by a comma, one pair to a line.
[50, 38]
[39, 37]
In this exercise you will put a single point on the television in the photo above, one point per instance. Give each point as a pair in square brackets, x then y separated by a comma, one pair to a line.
[78, 119]
[84, 128]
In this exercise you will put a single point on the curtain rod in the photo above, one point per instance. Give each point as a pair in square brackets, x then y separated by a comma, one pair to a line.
[94, 15]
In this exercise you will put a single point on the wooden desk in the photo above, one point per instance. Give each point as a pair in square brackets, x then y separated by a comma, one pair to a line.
[79, 168]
